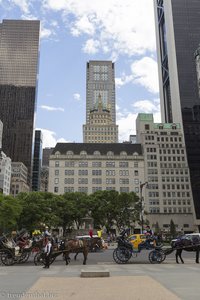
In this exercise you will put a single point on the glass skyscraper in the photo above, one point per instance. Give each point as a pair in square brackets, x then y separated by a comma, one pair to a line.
[19, 51]
[178, 36]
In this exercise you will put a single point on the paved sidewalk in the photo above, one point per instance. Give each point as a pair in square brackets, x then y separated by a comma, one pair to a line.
[118, 288]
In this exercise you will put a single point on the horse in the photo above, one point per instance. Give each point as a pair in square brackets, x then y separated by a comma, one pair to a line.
[187, 243]
[74, 245]
[94, 244]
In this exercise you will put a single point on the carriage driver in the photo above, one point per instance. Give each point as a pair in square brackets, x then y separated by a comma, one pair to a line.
[47, 252]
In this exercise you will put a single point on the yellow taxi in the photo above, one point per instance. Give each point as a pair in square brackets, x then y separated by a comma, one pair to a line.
[136, 239]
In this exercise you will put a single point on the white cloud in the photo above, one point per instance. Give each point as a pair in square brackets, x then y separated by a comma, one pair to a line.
[91, 46]
[50, 139]
[23, 5]
[82, 25]
[51, 108]
[45, 32]
[124, 27]
[127, 119]
[77, 96]
[145, 72]
[146, 106]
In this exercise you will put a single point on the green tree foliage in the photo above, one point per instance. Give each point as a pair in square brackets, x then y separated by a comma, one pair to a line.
[110, 208]
[10, 210]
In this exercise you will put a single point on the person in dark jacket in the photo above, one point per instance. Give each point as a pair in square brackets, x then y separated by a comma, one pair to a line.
[47, 252]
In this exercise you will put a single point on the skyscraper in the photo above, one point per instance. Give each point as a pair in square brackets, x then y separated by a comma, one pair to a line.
[19, 42]
[37, 161]
[178, 36]
[100, 103]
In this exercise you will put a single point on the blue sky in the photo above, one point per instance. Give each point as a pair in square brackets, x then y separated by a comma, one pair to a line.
[76, 31]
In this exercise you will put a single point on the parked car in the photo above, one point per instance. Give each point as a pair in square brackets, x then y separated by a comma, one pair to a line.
[136, 239]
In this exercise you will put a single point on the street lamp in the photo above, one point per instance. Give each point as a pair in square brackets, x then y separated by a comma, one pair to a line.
[141, 200]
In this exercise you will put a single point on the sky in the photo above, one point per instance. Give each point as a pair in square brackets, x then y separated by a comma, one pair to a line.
[76, 31]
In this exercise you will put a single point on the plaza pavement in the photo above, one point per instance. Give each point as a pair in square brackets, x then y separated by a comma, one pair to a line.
[137, 280]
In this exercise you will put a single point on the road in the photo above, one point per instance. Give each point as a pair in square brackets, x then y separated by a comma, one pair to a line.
[21, 281]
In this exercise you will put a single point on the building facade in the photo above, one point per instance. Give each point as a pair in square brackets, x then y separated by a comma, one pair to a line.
[168, 194]
[19, 43]
[5, 173]
[178, 36]
[100, 84]
[37, 161]
[100, 128]
[76, 167]
[1, 133]
[19, 177]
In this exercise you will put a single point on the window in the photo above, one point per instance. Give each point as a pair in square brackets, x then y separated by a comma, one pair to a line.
[110, 180]
[96, 172]
[110, 172]
[56, 163]
[96, 180]
[68, 189]
[69, 172]
[124, 180]
[56, 180]
[55, 189]
[123, 173]
[83, 172]
[124, 189]
[82, 189]
[83, 181]
[135, 164]
[123, 164]
[136, 173]
[83, 164]
[69, 164]
[110, 164]
[96, 164]
[69, 181]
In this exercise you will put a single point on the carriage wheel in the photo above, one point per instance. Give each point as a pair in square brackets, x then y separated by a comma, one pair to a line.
[24, 257]
[121, 255]
[7, 258]
[39, 259]
[156, 257]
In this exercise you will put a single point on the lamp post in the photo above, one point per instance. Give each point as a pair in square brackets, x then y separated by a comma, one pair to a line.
[141, 199]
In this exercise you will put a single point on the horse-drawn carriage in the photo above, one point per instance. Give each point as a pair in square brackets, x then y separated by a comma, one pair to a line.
[17, 249]
[124, 251]
[81, 244]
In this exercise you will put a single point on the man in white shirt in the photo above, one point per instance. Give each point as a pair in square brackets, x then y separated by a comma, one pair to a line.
[47, 251]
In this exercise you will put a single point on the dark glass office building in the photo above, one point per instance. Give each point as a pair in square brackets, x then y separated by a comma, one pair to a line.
[19, 51]
[178, 37]
[37, 161]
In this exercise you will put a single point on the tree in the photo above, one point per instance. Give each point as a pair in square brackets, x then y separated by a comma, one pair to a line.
[172, 228]
[10, 210]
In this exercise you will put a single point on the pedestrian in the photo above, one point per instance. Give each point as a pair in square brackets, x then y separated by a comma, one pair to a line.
[91, 233]
[47, 252]
[99, 232]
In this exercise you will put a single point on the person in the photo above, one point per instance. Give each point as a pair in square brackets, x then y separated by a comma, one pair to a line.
[46, 232]
[99, 233]
[91, 232]
[47, 253]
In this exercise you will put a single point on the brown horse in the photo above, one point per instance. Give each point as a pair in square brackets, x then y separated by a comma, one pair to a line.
[94, 244]
[75, 246]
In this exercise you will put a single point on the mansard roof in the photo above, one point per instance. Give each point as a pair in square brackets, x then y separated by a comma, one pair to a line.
[90, 148]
